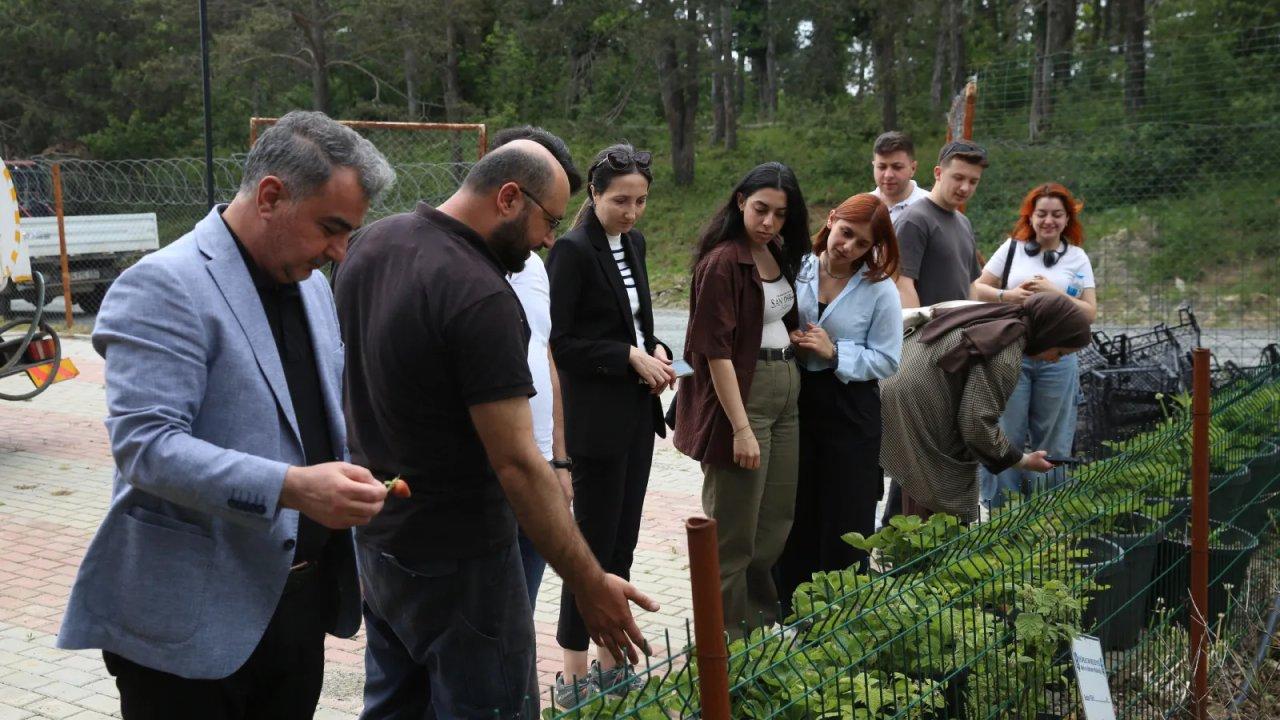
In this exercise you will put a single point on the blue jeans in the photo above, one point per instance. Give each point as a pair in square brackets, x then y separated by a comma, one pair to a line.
[447, 639]
[1040, 415]
[534, 567]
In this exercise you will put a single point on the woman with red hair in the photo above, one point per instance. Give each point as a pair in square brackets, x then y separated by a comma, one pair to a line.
[852, 324]
[1043, 254]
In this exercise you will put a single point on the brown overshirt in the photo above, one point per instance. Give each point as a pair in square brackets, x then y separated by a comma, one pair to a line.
[726, 320]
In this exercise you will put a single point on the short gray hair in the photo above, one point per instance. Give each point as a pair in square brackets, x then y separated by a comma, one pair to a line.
[304, 146]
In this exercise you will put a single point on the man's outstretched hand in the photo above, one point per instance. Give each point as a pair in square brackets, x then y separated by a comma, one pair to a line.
[606, 609]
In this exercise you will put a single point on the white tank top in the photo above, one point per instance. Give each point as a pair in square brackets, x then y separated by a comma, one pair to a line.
[779, 296]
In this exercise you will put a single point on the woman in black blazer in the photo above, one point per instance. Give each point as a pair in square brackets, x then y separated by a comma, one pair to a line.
[611, 370]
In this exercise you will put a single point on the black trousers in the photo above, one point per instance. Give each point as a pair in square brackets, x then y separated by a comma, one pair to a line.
[840, 478]
[608, 499]
[281, 680]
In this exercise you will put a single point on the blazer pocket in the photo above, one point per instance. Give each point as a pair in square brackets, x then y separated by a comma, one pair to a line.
[161, 568]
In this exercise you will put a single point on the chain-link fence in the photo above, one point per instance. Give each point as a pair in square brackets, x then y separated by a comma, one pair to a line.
[114, 212]
[1174, 162]
[952, 622]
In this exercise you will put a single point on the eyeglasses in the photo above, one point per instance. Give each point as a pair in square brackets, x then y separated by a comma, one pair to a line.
[553, 222]
[622, 160]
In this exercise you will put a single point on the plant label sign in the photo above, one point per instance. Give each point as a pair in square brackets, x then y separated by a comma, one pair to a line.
[1091, 675]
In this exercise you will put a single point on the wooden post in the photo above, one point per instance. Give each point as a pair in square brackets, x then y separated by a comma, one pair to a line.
[708, 618]
[484, 141]
[1199, 534]
[62, 244]
[966, 130]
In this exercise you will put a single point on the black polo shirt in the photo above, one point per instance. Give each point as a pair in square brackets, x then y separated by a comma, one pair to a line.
[431, 327]
[287, 317]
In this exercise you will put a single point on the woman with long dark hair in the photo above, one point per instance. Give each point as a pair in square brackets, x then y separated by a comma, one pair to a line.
[737, 414]
[612, 370]
[852, 322]
[1044, 253]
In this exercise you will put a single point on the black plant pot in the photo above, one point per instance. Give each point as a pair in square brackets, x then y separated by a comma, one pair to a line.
[1264, 469]
[1225, 492]
[1105, 565]
[1138, 536]
[1255, 518]
[1229, 556]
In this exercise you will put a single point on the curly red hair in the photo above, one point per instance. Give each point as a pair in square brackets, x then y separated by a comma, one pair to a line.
[881, 260]
[1073, 233]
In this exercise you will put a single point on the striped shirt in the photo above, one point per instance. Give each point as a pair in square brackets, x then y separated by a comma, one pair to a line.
[629, 282]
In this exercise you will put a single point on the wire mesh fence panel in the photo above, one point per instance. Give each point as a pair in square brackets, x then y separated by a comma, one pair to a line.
[949, 621]
[1174, 172]
[116, 211]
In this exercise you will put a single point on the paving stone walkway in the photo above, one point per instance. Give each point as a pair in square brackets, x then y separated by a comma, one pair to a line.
[55, 482]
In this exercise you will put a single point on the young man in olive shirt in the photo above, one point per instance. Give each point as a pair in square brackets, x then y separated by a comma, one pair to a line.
[437, 392]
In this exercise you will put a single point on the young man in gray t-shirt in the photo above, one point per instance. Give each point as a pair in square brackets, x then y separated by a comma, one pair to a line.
[935, 239]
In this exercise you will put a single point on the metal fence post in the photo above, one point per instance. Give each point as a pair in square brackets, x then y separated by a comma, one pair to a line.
[62, 243]
[1199, 635]
[708, 618]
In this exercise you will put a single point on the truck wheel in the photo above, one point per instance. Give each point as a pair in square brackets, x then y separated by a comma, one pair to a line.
[91, 300]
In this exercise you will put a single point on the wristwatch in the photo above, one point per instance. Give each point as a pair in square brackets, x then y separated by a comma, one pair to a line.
[1000, 296]
[562, 464]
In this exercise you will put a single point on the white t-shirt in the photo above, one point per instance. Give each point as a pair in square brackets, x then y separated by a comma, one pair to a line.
[779, 296]
[628, 281]
[534, 290]
[916, 195]
[1025, 266]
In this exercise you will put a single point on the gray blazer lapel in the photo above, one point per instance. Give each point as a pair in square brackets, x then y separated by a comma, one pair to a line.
[327, 348]
[232, 279]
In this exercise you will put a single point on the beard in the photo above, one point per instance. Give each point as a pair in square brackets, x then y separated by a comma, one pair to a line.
[510, 243]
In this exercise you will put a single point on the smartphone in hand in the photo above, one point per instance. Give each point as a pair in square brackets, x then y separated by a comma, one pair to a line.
[1064, 460]
[682, 368]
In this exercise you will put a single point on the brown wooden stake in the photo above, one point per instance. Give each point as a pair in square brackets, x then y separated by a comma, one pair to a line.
[708, 618]
[1200, 533]
[966, 131]
[62, 243]
[484, 141]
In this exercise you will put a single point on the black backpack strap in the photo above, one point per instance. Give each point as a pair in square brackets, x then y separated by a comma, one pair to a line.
[1008, 265]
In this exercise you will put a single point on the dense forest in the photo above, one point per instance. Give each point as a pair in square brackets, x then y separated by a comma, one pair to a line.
[123, 80]
[1161, 109]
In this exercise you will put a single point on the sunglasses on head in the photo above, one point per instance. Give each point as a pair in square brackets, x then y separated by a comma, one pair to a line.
[622, 160]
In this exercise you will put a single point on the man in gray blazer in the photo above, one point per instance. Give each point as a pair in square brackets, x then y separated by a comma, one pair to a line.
[226, 553]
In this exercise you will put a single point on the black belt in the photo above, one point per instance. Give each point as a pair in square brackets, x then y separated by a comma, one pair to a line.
[786, 353]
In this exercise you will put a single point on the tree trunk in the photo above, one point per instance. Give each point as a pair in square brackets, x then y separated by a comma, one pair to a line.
[771, 62]
[1134, 16]
[939, 58]
[1049, 22]
[677, 59]
[452, 96]
[313, 34]
[740, 94]
[957, 58]
[728, 78]
[717, 78]
[412, 112]
[885, 68]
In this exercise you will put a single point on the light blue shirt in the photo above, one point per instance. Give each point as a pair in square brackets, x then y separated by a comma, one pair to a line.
[864, 322]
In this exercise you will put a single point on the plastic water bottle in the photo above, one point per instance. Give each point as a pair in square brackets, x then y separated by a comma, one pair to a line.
[1077, 285]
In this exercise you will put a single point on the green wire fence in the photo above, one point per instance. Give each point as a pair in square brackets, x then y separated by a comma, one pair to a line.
[976, 622]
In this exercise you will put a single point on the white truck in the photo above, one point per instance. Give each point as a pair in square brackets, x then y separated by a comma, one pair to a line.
[99, 248]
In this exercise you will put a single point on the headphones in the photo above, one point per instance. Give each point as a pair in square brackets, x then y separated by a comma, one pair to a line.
[1050, 258]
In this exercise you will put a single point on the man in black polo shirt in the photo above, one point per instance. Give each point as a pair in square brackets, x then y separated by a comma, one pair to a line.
[437, 392]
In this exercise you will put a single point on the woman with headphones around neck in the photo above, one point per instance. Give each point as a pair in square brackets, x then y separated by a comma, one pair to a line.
[611, 370]
[1043, 254]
